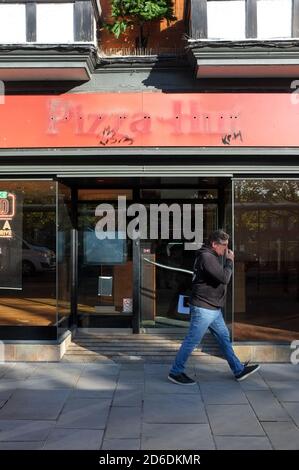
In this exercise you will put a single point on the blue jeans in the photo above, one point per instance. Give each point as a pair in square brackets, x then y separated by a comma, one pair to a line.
[203, 319]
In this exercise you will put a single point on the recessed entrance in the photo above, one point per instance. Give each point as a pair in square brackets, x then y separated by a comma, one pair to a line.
[125, 281]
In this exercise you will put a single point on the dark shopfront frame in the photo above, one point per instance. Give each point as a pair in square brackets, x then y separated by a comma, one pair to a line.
[35, 333]
[135, 320]
[135, 162]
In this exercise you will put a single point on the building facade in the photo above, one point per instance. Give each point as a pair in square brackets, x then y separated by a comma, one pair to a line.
[97, 135]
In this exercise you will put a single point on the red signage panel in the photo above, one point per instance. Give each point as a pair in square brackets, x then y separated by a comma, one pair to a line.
[149, 120]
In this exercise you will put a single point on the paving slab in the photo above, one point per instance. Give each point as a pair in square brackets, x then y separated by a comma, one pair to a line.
[242, 443]
[233, 420]
[7, 387]
[293, 410]
[129, 394]
[131, 376]
[174, 408]
[5, 394]
[285, 390]
[135, 366]
[266, 406]
[74, 439]
[57, 369]
[91, 386]
[153, 369]
[24, 430]
[223, 392]
[121, 444]
[280, 372]
[4, 368]
[19, 371]
[34, 404]
[124, 422]
[47, 383]
[159, 385]
[254, 382]
[86, 413]
[64, 374]
[162, 370]
[213, 372]
[21, 445]
[180, 436]
[283, 436]
[101, 370]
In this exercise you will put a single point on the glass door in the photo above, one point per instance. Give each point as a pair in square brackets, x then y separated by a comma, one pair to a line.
[105, 267]
[167, 264]
[167, 273]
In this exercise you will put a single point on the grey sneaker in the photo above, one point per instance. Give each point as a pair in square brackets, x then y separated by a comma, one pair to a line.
[181, 379]
[248, 370]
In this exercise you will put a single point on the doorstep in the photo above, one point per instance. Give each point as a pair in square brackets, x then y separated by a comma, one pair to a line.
[35, 351]
[263, 352]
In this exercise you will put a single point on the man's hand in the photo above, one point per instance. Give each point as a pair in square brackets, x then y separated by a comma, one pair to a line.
[230, 255]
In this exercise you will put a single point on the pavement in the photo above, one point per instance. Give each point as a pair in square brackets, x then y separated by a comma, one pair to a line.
[111, 406]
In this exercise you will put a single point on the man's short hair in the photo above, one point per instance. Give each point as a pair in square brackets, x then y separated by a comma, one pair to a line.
[218, 236]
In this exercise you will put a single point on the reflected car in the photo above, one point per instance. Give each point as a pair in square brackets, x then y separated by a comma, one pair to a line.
[36, 258]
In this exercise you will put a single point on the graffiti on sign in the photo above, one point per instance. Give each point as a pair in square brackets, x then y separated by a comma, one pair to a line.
[227, 139]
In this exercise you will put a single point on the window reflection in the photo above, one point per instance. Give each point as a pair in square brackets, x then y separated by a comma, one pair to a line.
[267, 260]
[172, 284]
[31, 299]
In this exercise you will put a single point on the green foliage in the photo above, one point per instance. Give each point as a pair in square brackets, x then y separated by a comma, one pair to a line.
[129, 12]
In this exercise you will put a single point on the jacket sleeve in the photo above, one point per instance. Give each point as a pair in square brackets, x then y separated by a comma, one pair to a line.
[220, 273]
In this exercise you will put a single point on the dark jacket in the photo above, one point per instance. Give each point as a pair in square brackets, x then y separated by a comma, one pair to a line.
[210, 279]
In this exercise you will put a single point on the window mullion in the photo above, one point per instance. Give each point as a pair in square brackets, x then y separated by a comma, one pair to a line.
[295, 19]
[30, 22]
[251, 19]
[199, 27]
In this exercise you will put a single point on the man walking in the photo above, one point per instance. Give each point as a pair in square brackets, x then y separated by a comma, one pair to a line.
[209, 285]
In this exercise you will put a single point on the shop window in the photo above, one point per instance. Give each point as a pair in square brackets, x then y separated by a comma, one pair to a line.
[28, 253]
[226, 19]
[12, 23]
[55, 23]
[274, 19]
[266, 281]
